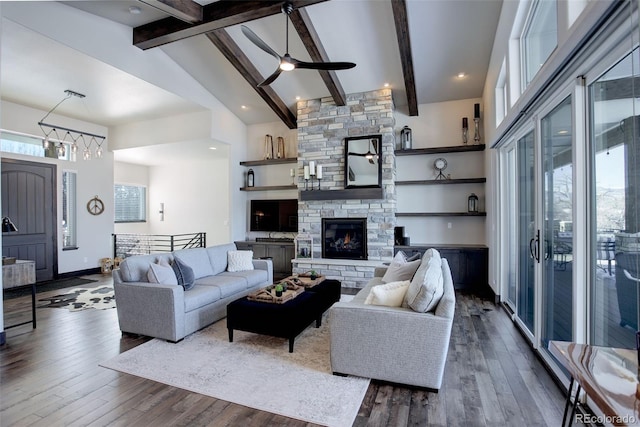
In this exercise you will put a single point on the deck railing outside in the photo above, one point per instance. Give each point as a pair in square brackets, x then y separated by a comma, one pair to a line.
[125, 245]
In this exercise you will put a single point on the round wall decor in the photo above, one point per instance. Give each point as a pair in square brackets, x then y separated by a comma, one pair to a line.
[95, 206]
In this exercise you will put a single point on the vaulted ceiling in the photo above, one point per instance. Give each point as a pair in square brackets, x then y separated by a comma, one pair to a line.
[417, 47]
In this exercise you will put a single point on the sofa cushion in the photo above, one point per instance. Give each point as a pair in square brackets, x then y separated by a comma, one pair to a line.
[199, 296]
[197, 259]
[426, 287]
[228, 285]
[184, 274]
[390, 294]
[239, 261]
[218, 256]
[135, 268]
[400, 269]
[253, 277]
[161, 273]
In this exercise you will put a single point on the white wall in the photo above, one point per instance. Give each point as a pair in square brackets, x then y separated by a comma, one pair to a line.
[440, 124]
[95, 178]
[196, 198]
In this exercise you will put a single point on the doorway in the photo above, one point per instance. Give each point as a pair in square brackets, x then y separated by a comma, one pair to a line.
[29, 200]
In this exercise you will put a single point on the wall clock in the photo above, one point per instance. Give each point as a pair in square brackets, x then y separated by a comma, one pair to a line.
[95, 206]
[440, 164]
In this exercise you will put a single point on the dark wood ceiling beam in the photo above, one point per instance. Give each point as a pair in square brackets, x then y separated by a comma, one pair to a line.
[303, 25]
[401, 20]
[217, 15]
[184, 10]
[223, 41]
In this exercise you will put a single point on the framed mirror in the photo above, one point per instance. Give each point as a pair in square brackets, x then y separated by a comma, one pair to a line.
[363, 161]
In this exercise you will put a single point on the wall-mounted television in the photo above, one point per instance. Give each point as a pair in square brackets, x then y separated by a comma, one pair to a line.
[274, 215]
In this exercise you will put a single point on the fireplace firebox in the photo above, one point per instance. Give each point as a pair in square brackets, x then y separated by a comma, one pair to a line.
[344, 238]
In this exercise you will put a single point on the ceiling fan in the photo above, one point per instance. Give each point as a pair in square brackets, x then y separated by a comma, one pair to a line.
[287, 62]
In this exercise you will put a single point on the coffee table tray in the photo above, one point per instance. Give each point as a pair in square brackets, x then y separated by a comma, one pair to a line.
[268, 294]
[305, 280]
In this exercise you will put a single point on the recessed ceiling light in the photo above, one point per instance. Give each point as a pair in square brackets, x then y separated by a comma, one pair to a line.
[135, 10]
[213, 148]
[387, 85]
[461, 75]
[297, 98]
[244, 107]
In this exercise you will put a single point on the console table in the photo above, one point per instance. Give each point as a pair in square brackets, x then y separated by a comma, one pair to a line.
[609, 376]
[22, 273]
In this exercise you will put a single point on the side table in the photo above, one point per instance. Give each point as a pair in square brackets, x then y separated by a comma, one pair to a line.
[22, 273]
[609, 376]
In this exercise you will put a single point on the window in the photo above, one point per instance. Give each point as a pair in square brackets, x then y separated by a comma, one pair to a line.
[11, 142]
[130, 203]
[501, 94]
[69, 211]
[539, 38]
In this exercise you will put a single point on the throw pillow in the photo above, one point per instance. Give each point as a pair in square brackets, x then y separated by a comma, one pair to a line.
[389, 294]
[427, 285]
[239, 260]
[400, 269]
[161, 274]
[184, 274]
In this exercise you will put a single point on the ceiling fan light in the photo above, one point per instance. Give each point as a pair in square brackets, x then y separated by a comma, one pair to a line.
[286, 66]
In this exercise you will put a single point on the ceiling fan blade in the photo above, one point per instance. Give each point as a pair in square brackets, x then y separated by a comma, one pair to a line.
[258, 41]
[271, 78]
[324, 65]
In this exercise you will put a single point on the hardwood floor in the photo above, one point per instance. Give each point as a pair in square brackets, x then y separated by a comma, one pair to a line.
[50, 377]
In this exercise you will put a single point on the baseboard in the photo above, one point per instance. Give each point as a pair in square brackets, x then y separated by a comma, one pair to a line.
[78, 273]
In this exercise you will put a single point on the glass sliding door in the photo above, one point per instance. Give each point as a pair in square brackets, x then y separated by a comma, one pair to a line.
[528, 242]
[511, 215]
[557, 244]
[615, 192]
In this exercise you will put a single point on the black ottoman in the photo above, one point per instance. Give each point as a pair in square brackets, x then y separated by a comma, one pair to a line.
[329, 291]
[279, 320]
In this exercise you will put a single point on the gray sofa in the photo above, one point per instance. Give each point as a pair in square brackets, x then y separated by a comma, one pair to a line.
[168, 311]
[392, 344]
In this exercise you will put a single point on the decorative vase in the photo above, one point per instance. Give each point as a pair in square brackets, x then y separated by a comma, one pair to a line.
[268, 147]
[280, 154]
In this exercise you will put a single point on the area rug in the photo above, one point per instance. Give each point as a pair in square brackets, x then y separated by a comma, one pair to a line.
[255, 371]
[78, 299]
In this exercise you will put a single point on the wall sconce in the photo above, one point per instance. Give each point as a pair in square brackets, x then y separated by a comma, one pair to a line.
[7, 225]
[161, 211]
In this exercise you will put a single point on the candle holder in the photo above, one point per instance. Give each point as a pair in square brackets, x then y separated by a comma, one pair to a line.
[476, 137]
[313, 177]
[465, 130]
[306, 184]
[319, 179]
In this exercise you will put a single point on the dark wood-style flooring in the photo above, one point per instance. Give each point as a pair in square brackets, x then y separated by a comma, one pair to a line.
[50, 377]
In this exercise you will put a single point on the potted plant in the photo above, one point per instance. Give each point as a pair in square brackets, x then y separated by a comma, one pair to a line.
[313, 275]
[279, 290]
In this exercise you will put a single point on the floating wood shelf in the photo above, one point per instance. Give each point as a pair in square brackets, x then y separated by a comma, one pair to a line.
[269, 162]
[270, 187]
[440, 214]
[438, 150]
[346, 194]
[444, 181]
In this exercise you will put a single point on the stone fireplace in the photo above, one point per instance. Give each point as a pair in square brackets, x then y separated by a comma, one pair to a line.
[322, 128]
[344, 238]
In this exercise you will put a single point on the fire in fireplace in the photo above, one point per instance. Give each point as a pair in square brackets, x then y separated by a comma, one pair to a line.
[344, 238]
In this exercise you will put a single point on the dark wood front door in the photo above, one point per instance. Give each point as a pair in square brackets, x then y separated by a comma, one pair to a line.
[28, 199]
